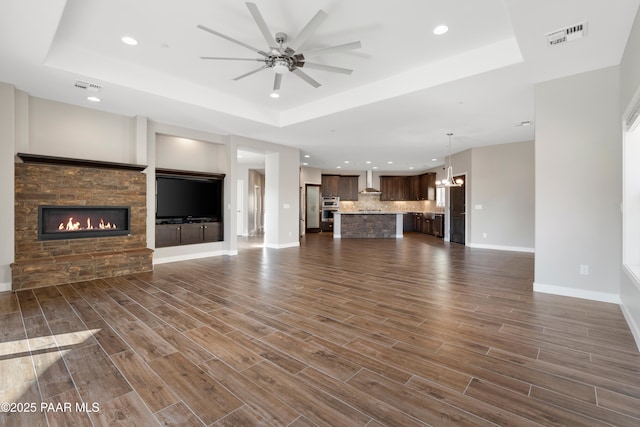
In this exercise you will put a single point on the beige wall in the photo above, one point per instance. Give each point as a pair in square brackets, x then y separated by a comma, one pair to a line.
[64, 130]
[173, 152]
[579, 185]
[7, 200]
[501, 205]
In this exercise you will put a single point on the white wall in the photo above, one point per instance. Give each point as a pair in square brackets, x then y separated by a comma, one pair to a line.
[629, 86]
[578, 185]
[281, 204]
[7, 156]
[503, 184]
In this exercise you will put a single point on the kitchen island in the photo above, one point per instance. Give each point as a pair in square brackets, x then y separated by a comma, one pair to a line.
[367, 225]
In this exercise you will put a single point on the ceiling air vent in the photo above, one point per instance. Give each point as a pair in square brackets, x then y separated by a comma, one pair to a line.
[91, 87]
[568, 34]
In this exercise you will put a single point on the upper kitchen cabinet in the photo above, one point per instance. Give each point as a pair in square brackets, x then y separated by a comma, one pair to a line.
[343, 186]
[330, 185]
[415, 187]
[415, 190]
[394, 188]
[348, 187]
[427, 186]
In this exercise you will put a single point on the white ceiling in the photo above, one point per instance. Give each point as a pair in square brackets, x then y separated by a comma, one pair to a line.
[408, 89]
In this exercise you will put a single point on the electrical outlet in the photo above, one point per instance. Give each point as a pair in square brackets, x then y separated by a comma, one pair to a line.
[584, 269]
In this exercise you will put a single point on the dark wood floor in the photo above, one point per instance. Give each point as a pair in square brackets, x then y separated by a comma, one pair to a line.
[403, 332]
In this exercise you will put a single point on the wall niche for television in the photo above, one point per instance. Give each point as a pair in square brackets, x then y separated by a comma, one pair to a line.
[189, 207]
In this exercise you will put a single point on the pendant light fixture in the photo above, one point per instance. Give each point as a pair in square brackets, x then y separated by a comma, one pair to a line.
[449, 181]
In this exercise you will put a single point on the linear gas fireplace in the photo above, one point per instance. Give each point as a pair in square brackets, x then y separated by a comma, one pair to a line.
[77, 222]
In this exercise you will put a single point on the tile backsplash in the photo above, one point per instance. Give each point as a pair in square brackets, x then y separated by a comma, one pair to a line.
[372, 202]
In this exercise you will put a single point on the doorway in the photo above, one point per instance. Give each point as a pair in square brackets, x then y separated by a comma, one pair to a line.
[312, 208]
[257, 211]
[240, 210]
[457, 211]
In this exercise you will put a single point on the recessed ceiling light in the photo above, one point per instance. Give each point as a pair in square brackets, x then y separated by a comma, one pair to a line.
[338, 167]
[305, 164]
[93, 99]
[434, 160]
[389, 163]
[307, 156]
[440, 30]
[346, 161]
[275, 94]
[129, 40]
[368, 162]
[411, 167]
[375, 167]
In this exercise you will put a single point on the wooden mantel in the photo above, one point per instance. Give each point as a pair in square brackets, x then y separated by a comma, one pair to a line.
[67, 161]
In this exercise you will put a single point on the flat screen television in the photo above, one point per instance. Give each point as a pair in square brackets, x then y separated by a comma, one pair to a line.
[185, 198]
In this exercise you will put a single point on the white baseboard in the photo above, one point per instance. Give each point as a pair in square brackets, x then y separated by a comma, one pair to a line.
[187, 257]
[502, 248]
[577, 293]
[5, 287]
[282, 246]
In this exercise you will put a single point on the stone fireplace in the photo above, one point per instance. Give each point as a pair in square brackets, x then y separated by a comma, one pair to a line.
[78, 220]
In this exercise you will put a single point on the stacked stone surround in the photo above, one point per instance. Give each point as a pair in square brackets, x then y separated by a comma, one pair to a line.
[45, 263]
[368, 226]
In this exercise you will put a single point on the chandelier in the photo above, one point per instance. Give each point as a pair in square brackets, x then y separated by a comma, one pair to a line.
[450, 181]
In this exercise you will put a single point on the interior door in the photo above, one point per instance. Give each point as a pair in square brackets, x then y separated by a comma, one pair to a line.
[257, 211]
[457, 212]
[312, 210]
[240, 206]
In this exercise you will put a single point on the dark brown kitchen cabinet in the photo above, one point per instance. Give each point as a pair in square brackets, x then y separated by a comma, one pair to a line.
[408, 222]
[348, 187]
[343, 186]
[394, 188]
[438, 225]
[415, 192]
[330, 185]
[413, 187]
[427, 186]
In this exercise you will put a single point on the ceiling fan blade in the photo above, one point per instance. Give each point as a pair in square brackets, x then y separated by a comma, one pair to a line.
[333, 49]
[308, 30]
[257, 16]
[277, 82]
[209, 30]
[232, 59]
[304, 76]
[328, 68]
[251, 72]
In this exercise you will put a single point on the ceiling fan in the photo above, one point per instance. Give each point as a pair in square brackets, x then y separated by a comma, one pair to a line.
[283, 55]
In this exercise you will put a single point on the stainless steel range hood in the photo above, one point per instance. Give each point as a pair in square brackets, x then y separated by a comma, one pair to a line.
[369, 188]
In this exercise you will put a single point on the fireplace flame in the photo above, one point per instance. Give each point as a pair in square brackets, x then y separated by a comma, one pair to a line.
[75, 226]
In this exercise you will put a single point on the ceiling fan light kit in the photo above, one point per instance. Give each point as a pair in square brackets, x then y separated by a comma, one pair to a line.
[282, 55]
